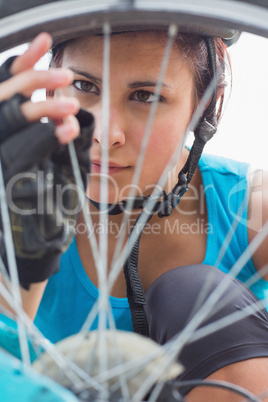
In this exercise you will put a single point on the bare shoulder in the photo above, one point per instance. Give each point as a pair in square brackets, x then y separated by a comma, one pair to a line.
[258, 215]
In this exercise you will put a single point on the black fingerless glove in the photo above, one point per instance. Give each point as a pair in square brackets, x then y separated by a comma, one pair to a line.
[5, 69]
[41, 191]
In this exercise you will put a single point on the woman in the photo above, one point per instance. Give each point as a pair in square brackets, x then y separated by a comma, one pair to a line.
[170, 273]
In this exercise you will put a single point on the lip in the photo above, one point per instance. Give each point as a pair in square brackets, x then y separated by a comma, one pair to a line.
[113, 167]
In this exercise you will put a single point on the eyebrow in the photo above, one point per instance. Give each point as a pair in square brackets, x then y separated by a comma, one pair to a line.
[87, 75]
[132, 85]
[139, 84]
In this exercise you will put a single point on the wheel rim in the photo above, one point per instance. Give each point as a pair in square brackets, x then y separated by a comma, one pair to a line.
[55, 17]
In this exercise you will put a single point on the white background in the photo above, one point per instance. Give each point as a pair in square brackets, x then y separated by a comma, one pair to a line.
[243, 131]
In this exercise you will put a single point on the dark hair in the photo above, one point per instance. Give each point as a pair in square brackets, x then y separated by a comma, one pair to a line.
[57, 53]
[195, 50]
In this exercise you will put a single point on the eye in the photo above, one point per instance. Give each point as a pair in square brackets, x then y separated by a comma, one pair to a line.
[86, 86]
[145, 97]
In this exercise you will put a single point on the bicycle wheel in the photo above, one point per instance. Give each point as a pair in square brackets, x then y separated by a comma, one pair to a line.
[23, 21]
[68, 19]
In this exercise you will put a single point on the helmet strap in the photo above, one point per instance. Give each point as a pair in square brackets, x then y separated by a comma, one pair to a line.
[204, 131]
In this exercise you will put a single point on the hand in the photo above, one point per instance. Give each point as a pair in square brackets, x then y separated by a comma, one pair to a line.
[24, 80]
[36, 163]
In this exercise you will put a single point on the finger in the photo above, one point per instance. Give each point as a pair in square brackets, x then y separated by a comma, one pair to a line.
[37, 49]
[29, 81]
[68, 130]
[54, 109]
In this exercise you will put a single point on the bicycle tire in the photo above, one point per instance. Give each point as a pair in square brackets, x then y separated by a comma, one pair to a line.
[55, 16]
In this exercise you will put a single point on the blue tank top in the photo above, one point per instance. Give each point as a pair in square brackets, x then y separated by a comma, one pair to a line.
[226, 189]
[70, 295]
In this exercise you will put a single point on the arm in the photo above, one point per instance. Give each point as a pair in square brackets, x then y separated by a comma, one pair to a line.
[30, 299]
[40, 236]
[258, 216]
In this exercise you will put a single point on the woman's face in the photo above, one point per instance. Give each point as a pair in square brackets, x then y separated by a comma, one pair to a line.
[135, 61]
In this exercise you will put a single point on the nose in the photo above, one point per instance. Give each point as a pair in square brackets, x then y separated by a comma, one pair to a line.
[114, 129]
